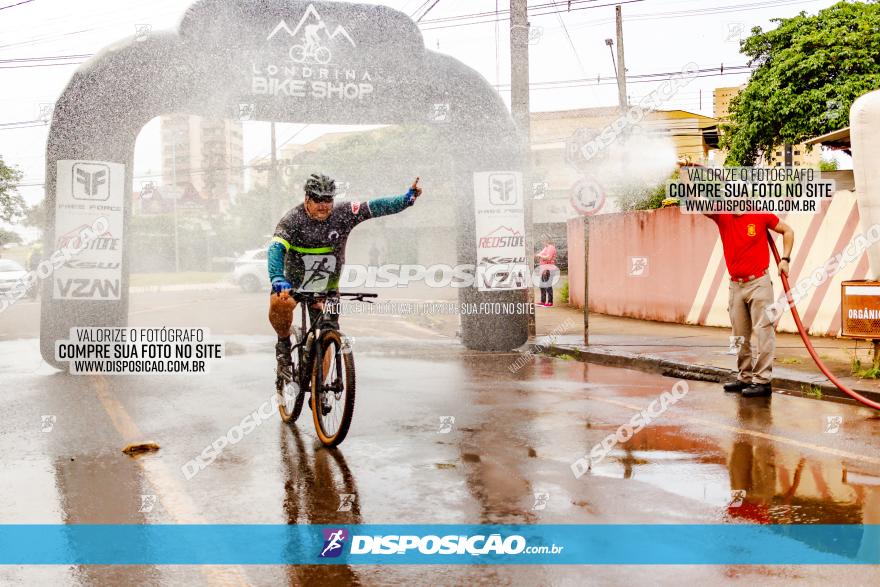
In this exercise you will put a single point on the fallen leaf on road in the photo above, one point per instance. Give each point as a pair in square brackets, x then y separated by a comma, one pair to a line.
[133, 449]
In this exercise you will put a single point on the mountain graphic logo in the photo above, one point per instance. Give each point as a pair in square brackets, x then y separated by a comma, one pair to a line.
[313, 35]
[502, 236]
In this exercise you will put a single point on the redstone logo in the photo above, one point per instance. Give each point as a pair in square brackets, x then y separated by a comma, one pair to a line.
[497, 239]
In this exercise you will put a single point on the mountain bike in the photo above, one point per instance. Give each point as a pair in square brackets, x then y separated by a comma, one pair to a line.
[322, 365]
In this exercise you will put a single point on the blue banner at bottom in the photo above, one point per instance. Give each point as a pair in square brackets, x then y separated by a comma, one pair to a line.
[595, 544]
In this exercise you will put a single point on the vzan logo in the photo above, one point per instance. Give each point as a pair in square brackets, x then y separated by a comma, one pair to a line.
[91, 181]
[86, 289]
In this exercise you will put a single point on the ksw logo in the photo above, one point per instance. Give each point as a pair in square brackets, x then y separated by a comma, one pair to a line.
[91, 181]
[76, 264]
[502, 189]
[502, 260]
[311, 47]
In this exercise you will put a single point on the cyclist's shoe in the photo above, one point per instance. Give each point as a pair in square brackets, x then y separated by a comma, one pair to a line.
[283, 350]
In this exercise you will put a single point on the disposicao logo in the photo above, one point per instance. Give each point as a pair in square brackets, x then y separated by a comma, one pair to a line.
[334, 541]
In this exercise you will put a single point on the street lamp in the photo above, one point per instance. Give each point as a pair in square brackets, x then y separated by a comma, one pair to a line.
[610, 43]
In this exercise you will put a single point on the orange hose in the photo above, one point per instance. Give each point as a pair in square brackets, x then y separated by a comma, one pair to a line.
[800, 326]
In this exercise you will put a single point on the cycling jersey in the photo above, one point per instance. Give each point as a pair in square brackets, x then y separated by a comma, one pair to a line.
[309, 253]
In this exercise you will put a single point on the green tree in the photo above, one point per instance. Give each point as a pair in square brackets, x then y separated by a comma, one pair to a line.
[810, 69]
[8, 236]
[379, 161]
[828, 165]
[35, 215]
[12, 205]
[249, 222]
[645, 197]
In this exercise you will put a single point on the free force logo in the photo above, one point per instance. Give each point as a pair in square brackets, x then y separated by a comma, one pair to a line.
[334, 541]
[502, 189]
[315, 33]
[91, 181]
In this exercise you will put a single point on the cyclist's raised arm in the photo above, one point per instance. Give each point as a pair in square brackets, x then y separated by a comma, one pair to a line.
[378, 207]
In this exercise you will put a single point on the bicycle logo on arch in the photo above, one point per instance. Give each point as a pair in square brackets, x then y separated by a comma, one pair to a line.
[312, 47]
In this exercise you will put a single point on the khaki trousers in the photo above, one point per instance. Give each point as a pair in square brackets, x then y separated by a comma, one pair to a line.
[747, 305]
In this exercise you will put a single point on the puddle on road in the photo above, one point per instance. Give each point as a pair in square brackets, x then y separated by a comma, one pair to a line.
[747, 480]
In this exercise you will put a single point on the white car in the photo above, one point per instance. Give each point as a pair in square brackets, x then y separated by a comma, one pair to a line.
[250, 271]
[10, 274]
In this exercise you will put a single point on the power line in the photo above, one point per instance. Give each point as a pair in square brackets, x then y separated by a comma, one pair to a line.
[636, 78]
[417, 10]
[431, 7]
[532, 8]
[570, 42]
[14, 5]
[541, 10]
[535, 86]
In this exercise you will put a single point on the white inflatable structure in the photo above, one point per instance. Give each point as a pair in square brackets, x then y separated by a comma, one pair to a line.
[864, 121]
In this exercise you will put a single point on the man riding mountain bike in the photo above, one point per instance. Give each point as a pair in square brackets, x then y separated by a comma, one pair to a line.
[308, 250]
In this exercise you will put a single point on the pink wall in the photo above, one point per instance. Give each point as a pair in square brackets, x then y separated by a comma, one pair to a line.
[677, 246]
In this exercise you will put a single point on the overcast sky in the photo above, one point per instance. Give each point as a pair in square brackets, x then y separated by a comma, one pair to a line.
[660, 36]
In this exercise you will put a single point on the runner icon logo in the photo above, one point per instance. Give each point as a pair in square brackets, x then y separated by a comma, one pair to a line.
[334, 540]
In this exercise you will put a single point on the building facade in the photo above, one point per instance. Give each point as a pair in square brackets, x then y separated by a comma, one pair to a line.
[202, 158]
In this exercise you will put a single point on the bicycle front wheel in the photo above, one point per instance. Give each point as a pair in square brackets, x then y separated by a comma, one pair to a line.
[291, 396]
[333, 388]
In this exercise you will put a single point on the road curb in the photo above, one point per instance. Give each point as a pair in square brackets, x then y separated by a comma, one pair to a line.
[683, 370]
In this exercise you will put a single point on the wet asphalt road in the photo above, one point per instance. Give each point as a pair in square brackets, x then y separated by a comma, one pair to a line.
[514, 435]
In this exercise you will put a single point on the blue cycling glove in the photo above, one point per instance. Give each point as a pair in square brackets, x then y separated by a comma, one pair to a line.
[411, 197]
[279, 285]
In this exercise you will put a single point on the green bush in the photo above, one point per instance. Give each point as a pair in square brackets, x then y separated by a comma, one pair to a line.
[563, 292]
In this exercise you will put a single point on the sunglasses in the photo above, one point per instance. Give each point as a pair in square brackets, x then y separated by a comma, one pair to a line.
[321, 199]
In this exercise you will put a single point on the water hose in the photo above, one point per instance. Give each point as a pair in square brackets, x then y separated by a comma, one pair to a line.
[800, 326]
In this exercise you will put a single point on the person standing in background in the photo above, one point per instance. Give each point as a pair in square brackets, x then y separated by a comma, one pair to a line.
[548, 269]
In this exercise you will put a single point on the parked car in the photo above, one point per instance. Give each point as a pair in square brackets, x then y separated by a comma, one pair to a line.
[250, 271]
[10, 274]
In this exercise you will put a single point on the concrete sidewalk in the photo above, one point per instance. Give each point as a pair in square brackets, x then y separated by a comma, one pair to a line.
[699, 352]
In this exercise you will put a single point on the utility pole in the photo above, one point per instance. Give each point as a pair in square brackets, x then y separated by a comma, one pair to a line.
[519, 67]
[621, 66]
[519, 109]
[174, 199]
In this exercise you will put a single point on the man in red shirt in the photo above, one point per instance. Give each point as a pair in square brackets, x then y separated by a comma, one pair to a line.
[747, 254]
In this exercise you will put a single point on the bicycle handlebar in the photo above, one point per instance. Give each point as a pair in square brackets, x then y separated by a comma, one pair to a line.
[317, 296]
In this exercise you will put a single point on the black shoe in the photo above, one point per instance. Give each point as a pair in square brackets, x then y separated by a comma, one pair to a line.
[758, 390]
[736, 386]
[282, 353]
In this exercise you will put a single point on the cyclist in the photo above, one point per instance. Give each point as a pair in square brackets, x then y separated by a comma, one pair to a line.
[311, 39]
[308, 250]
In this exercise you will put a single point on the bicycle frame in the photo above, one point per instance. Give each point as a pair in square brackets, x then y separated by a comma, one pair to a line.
[306, 361]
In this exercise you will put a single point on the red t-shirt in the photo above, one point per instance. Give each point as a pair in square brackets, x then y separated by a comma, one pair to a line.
[744, 239]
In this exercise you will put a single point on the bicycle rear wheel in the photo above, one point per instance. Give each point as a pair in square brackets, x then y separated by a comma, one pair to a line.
[333, 388]
[291, 396]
